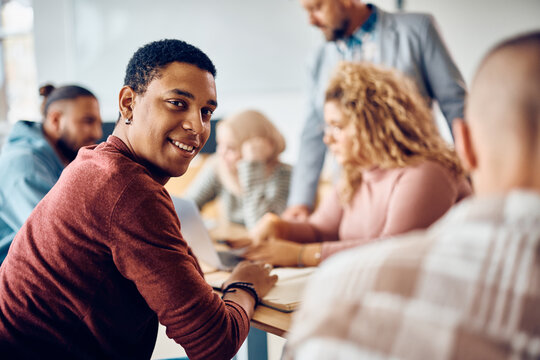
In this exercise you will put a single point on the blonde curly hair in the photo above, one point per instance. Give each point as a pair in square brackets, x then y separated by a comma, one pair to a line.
[392, 123]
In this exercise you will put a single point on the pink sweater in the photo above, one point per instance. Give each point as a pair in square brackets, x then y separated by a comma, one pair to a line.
[388, 202]
[98, 263]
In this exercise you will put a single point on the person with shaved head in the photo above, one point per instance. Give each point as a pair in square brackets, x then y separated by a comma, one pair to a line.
[467, 287]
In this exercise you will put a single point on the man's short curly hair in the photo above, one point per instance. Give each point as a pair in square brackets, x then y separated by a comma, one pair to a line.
[146, 63]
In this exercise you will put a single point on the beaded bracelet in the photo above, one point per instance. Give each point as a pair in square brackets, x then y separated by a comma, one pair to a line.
[243, 286]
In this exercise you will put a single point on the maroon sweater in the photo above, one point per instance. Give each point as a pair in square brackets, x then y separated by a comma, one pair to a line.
[99, 261]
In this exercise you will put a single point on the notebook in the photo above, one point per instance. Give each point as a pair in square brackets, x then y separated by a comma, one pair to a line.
[198, 238]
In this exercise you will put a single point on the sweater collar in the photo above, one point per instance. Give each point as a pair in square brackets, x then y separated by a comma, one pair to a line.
[118, 144]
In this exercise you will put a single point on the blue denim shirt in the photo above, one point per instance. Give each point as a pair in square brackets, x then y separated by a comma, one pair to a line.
[29, 167]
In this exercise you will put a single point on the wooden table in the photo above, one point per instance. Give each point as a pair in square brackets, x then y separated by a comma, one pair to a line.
[267, 319]
[272, 321]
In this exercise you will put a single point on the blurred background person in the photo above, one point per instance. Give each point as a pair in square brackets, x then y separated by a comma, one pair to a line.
[35, 154]
[245, 173]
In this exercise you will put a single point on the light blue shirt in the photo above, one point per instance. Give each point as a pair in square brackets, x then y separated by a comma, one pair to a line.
[29, 167]
[361, 45]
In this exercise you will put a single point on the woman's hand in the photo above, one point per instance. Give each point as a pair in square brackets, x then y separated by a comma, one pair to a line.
[276, 252]
[266, 229]
[238, 243]
[280, 252]
[257, 149]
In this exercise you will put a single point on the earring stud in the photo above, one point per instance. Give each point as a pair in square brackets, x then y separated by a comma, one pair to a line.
[127, 121]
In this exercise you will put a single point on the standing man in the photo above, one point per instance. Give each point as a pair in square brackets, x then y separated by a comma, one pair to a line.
[468, 287]
[358, 31]
[35, 154]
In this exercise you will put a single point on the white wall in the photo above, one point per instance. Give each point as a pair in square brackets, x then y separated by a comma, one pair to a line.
[471, 27]
[260, 47]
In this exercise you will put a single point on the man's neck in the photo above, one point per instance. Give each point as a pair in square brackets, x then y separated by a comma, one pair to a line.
[359, 15]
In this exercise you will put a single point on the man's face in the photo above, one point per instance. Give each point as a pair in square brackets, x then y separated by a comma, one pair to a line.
[171, 120]
[329, 16]
[80, 125]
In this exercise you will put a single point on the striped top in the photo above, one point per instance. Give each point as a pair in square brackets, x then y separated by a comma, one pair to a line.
[466, 288]
[262, 192]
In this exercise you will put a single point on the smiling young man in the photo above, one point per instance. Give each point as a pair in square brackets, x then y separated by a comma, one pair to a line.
[183, 99]
[102, 259]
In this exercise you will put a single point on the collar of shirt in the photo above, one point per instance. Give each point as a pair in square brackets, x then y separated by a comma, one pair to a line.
[358, 36]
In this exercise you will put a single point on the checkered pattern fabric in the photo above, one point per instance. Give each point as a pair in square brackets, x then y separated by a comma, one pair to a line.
[466, 288]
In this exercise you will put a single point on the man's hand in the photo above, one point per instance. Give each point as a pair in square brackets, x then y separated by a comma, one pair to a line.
[257, 273]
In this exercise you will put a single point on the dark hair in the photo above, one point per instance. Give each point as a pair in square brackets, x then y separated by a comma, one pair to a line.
[69, 92]
[148, 60]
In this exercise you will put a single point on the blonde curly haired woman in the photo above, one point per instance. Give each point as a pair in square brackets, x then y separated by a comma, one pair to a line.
[398, 174]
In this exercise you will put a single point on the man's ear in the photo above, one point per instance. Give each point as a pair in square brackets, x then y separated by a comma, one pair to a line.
[464, 145]
[54, 123]
[126, 100]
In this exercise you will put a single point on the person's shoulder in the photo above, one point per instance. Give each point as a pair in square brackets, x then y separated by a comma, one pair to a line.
[428, 169]
[408, 20]
[29, 157]
[110, 157]
[435, 177]
[112, 169]
[19, 164]
[25, 137]
[136, 191]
